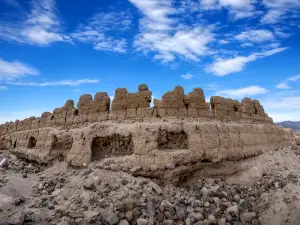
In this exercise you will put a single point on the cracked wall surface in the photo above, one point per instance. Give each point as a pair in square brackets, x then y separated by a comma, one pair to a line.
[179, 129]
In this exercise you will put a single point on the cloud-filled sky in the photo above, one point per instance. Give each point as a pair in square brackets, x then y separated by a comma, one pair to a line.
[51, 51]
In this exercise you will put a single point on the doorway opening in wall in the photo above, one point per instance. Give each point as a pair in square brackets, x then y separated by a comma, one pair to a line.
[113, 145]
[15, 144]
[31, 142]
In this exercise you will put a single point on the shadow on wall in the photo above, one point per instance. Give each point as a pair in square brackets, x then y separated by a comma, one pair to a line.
[172, 139]
[31, 142]
[61, 145]
[15, 144]
[113, 145]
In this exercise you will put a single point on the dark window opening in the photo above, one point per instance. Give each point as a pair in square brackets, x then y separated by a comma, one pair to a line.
[172, 140]
[206, 161]
[186, 105]
[114, 145]
[236, 108]
[31, 142]
[61, 146]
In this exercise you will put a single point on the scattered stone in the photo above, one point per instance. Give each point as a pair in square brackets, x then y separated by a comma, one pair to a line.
[141, 221]
[136, 200]
[233, 209]
[17, 219]
[19, 200]
[89, 185]
[153, 168]
[123, 222]
[198, 216]
[4, 163]
[247, 217]
[167, 222]
[211, 217]
[237, 198]
[206, 204]
[222, 221]
[180, 212]
[111, 218]
[170, 166]
[90, 216]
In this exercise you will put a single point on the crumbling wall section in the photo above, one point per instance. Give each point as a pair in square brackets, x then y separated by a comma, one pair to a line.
[180, 129]
[131, 105]
[155, 144]
[136, 107]
[38, 145]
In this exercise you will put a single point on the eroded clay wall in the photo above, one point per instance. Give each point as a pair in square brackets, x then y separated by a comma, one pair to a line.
[136, 106]
[179, 130]
[41, 145]
[176, 143]
[146, 144]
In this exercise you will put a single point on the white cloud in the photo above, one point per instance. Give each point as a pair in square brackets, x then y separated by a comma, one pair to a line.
[56, 83]
[242, 92]
[187, 76]
[287, 115]
[284, 84]
[281, 32]
[15, 69]
[40, 27]
[283, 105]
[278, 9]
[222, 67]
[256, 36]
[189, 43]
[238, 9]
[98, 29]
[156, 11]
[283, 108]
[163, 34]
[212, 86]
[3, 87]
[19, 115]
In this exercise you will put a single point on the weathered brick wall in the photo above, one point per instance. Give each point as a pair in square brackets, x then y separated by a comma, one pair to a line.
[174, 104]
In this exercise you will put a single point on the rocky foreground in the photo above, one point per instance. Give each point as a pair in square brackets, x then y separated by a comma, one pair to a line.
[260, 190]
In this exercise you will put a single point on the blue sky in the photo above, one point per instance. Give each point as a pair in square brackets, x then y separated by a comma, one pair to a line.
[51, 51]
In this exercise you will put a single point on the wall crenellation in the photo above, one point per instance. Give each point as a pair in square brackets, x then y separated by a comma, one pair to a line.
[126, 105]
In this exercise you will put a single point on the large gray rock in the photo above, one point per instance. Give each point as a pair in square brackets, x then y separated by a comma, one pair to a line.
[247, 217]
[4, 163]
[141, 221]
[111, 218]
[123, 222]
[17, 219]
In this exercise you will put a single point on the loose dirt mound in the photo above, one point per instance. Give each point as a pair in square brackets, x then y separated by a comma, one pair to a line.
[259, 190]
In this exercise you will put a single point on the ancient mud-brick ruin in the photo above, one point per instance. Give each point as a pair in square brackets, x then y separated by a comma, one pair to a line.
[179, 130]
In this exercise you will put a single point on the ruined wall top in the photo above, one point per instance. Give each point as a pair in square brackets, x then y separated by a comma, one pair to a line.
[136, 106]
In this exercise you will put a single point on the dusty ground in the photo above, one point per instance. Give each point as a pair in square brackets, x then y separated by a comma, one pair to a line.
[259, 190]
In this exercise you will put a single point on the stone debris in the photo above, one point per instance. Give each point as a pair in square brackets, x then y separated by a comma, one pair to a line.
[75, 196]
[4, 163]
